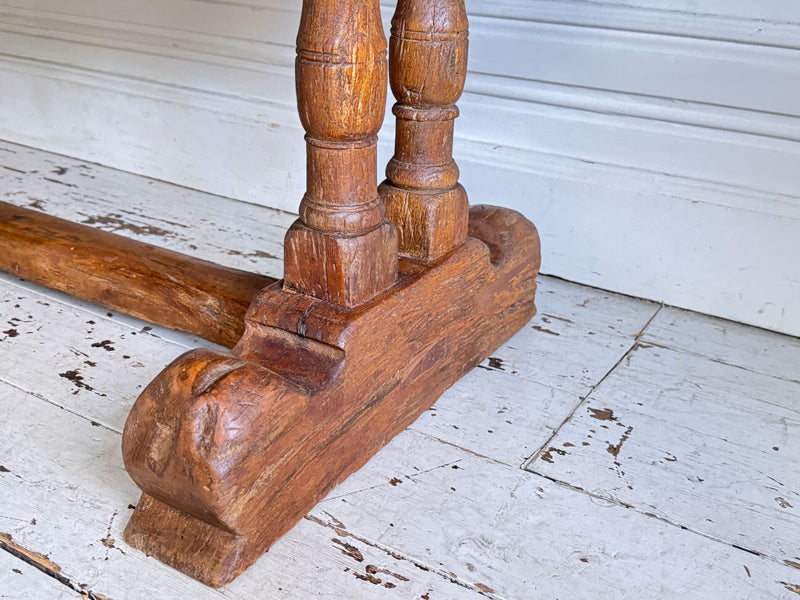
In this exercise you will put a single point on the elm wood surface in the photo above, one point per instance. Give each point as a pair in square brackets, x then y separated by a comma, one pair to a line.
[231, 450]
[342, 249]
[427, 68]
[152, 283]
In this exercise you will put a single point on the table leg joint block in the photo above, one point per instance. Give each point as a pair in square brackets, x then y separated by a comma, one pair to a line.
[232, 449]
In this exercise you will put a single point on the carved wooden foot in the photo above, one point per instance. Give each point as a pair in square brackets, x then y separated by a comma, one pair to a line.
[366, 330]
[231, 450]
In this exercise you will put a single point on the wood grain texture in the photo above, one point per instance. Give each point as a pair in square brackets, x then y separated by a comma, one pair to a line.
[155, 212]
[398, 513]
[671, 138]
[532, 383]
[342, 249]
[232, 450]
[427, 70]
[66, 471]
[140, 279]
[71, 480]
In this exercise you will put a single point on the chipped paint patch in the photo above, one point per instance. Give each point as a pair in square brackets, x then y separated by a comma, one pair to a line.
[77, 379]
[792, 587]
[496, 363]
[115, 222]
[371, 573]
[40, 561]
[541, 329]
[614, 449]
[548, 455]
[601, 414]
[105, 345]
[349, 550]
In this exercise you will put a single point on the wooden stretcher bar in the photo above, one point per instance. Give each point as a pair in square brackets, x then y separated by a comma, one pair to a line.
[125, 275]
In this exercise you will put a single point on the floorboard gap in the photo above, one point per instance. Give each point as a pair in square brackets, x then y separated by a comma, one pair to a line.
[45, 565]
[612, 500]
[527, 463]
[52, 403]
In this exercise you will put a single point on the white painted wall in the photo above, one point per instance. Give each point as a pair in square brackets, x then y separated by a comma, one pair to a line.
[655, 143]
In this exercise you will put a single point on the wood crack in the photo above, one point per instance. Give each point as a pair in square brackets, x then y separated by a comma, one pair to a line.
[46, 566]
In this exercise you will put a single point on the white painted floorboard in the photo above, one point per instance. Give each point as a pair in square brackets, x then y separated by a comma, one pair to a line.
[21, 581]
[612, 449]
[244, 236]
[522, 536]
[700, 443]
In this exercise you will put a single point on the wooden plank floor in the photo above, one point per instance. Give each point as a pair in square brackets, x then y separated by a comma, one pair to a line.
[614, 448]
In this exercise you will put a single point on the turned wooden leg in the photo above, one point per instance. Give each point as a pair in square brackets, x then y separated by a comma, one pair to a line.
[427, 67]
[232, 449]
[342, 249]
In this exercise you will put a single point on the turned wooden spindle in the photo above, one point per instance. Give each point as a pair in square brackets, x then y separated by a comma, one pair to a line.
[427, 68]
[342, 249]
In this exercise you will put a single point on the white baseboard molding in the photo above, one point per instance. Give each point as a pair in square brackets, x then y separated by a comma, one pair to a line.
[687, 243]
[253, 150]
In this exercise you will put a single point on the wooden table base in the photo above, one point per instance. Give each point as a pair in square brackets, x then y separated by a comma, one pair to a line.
[232, 449]
[390, 295]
